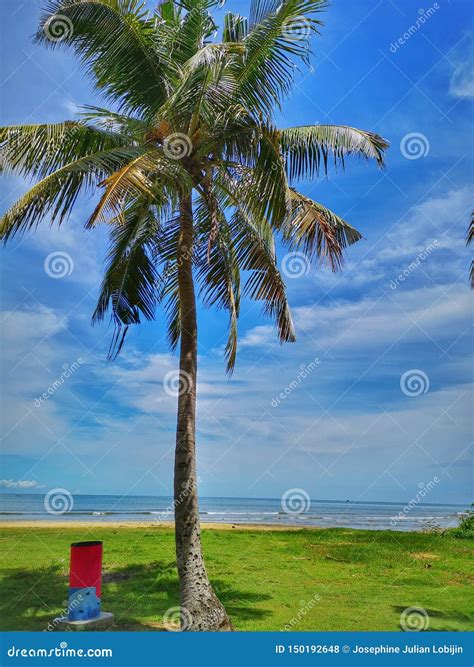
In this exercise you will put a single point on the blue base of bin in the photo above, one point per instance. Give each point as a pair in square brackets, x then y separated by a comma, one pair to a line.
[83, 604]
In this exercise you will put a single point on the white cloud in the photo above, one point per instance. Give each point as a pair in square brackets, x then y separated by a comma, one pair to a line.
[258, 336]
[24, 328]
[441, 219]
[21, 484]
[406, 315]
[461, 83]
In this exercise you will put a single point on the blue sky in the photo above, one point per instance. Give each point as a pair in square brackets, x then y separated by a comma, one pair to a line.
[344, 428]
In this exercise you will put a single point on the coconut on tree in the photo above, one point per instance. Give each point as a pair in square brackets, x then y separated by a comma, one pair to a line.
[195, 183]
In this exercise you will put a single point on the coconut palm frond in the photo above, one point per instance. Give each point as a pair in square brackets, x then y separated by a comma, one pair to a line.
[39, 150]
[279, 38]
[56, 194]
[319, 232]
[306, 150]
[255, 252]
[218, 270]
[236, 28]
[135, 179]
[191, 121]
[129, 289]
[115, 40]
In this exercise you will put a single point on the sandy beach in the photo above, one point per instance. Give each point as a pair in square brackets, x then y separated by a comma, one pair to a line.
[88, 525]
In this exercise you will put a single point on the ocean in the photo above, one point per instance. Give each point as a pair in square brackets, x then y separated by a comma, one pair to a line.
[271, 511]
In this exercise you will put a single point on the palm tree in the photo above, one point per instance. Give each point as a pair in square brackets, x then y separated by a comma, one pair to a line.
[195, 184]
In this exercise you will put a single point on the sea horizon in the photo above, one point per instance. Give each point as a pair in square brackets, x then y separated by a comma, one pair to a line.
[299, 510]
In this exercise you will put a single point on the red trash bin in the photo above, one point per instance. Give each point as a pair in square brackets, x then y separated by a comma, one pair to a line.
[86, 566]
[85, 580]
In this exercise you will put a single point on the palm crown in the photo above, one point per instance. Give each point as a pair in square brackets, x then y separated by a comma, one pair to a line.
[192, 121]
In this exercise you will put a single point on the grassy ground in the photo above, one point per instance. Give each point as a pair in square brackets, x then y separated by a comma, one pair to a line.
[334, 579]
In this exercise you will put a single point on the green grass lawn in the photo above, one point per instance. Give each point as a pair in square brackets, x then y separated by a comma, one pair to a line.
[334, 579]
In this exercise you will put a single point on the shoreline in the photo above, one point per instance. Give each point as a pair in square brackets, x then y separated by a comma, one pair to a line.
[152, 525]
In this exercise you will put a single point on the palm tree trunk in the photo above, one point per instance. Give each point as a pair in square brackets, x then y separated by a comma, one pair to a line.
[200, 608]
